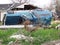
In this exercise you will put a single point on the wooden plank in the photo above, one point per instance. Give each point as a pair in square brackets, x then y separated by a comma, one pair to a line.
[13, 26]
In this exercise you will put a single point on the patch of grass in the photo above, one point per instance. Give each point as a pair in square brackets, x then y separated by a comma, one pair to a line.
[47, 35]
[54, 25]
[5, 34]
[43, 35]
[40, 35]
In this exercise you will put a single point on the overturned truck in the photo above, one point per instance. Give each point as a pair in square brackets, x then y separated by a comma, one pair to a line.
[36, 16]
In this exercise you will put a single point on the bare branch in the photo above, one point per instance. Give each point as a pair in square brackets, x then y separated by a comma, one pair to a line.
[17, 3]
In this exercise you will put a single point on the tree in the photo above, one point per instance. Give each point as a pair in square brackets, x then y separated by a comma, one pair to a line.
[17, 3]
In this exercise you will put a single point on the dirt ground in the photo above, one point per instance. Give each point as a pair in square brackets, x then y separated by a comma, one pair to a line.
[56, 42]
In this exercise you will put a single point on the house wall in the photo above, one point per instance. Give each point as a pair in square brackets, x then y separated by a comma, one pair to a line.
[58, 5]
[2, 15]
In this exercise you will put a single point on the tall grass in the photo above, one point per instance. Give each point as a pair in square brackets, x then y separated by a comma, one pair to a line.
[43, 35]
[40, 35]
[5, 34]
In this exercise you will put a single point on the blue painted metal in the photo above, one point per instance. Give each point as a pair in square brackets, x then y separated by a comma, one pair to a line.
[44, 17]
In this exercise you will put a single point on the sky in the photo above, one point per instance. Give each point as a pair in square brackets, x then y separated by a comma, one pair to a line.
[39, 3]
[5, 1]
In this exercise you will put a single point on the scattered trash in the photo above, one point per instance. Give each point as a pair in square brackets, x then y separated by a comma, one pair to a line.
[11, 42]
[58, 26]
[20, 36]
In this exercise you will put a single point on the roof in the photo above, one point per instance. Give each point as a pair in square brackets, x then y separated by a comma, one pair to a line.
[4, 6]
